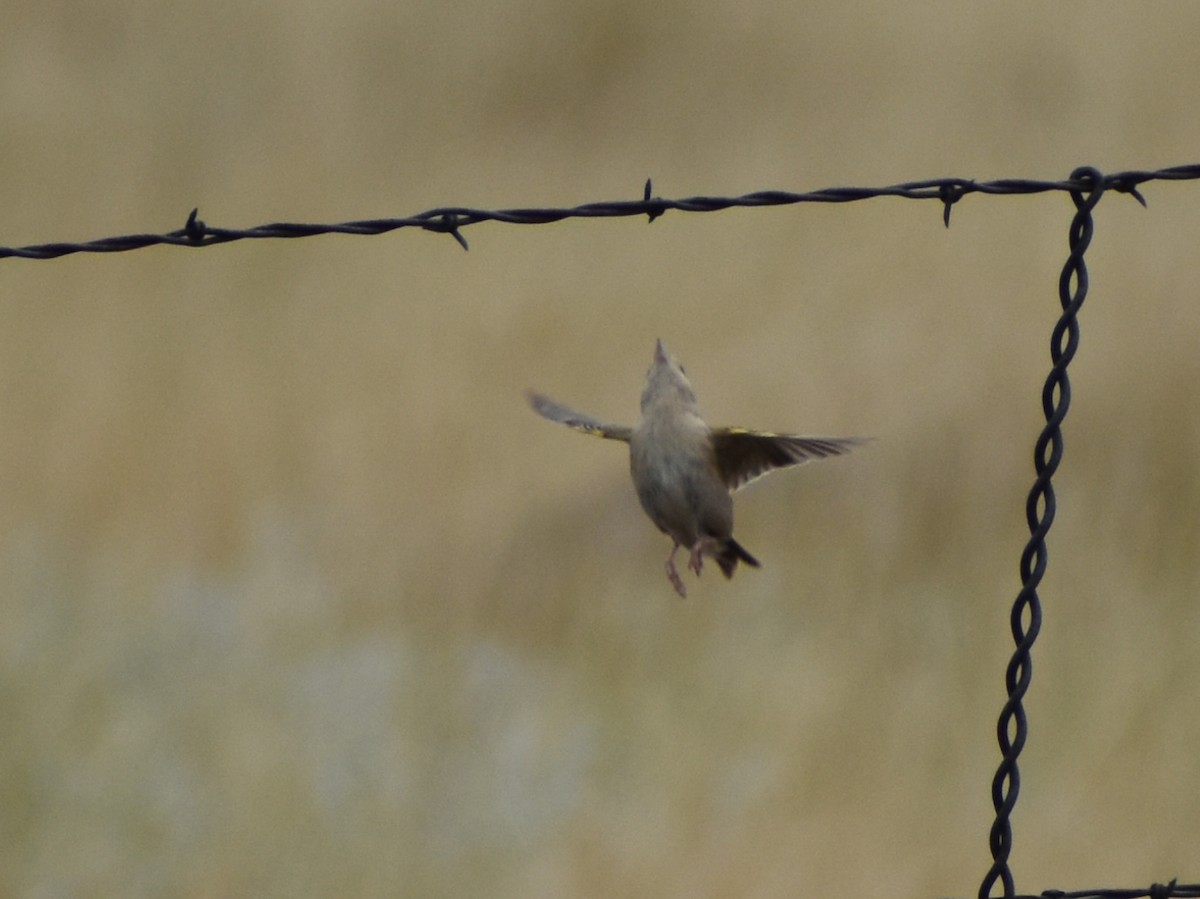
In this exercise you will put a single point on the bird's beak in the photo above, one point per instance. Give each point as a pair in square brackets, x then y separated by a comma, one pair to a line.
[661, 357]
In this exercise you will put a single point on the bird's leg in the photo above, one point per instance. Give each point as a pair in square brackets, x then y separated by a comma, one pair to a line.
[703, 545]
[673, 574]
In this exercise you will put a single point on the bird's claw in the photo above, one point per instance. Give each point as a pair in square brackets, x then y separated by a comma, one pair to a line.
[674, 578]
[696, 556]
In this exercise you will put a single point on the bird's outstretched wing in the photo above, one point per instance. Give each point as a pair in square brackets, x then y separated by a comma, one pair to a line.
[548, 408]
[744, 455]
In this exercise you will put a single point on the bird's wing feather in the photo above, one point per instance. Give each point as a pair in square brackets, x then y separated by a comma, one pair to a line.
[744, 455]
[548, 408]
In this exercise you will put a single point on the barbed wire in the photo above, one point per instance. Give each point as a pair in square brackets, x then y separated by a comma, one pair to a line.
[453, 219]
[1086, 186]
[1154, 891]
[1170, 890]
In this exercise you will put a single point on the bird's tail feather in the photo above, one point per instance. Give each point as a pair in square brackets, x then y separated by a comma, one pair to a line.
[732, 553]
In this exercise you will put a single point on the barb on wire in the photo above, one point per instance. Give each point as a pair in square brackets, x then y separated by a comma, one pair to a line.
[452, 219]
[1026, 618]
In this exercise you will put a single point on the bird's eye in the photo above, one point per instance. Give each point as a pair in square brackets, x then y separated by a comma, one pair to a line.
[682, 370]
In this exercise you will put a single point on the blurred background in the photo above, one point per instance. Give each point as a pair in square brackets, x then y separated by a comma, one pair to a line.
[299, 598]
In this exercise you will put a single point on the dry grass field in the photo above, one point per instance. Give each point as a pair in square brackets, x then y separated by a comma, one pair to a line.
[299, 599]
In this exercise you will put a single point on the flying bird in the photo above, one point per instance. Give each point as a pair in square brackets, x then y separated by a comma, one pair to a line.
[686, 472]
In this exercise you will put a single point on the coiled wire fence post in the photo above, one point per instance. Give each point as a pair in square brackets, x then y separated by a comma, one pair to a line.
[1026, 619]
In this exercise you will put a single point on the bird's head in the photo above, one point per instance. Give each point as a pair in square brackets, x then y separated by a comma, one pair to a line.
[666, 383]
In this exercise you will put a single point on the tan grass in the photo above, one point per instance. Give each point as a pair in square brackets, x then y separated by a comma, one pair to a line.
[299, 599]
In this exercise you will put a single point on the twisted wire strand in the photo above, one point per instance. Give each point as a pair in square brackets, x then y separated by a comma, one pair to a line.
[1169, 890]
[452, 219]
[1086, 186]
[1026, 617]
[1155, 891]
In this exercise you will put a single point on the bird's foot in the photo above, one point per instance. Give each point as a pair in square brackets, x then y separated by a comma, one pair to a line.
[673, 573]
[675, 579]
[696, 557]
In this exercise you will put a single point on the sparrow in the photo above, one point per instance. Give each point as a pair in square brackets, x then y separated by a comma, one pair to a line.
[685, 472]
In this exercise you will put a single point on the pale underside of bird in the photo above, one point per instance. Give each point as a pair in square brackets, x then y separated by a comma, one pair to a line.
[686, 472]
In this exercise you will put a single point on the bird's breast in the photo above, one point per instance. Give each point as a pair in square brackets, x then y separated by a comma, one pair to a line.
[675, 474]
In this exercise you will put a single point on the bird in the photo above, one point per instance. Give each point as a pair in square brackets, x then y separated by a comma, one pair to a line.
[685, 472]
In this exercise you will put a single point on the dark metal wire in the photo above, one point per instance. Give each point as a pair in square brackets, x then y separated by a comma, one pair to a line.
[452, 219]
[1170, 890]
[1026, 618]
[1086, 186]
[1154, 891]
